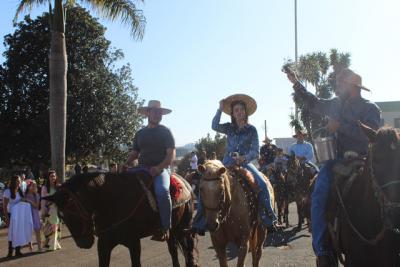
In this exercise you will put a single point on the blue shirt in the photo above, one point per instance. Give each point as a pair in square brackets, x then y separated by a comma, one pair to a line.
[244, 140]
[304, 149]
[349, 136]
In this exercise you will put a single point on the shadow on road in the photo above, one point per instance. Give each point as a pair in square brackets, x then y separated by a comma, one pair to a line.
[283, 238]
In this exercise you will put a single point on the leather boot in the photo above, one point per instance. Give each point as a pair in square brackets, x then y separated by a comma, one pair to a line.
[10, 250]
[18, 252]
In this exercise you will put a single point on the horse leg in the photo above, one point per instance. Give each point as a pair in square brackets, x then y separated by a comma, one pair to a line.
[104, 249]
[287, 213]
[299, 214]
[243, 248]
[256, 251]
[220, 249]
[187, 243]
[134, 251]
[173, 249]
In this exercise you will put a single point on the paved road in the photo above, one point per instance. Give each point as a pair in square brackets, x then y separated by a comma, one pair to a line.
[287, 249]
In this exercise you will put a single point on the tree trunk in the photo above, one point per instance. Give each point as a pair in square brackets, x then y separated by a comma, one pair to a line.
[58, 90]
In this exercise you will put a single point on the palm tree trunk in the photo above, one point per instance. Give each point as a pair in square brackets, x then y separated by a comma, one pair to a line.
[58, 91]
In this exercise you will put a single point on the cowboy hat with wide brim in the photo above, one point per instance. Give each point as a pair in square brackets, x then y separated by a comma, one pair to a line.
[153, 104]
[348, 76]
[267, 140]
[300, 132]
[249, 102]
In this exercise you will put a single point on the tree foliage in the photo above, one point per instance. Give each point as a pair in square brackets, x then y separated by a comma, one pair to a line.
[102, 101]
[319, 70]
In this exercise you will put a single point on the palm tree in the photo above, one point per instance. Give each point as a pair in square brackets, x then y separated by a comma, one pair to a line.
[125, 10]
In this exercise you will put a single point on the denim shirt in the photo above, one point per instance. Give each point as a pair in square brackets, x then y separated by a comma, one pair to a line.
[243, 141]
[349, 136]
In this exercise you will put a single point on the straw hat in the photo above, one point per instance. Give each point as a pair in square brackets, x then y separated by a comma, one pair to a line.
[153, 104]
[300, 132]
[251, 104]
[348, 76]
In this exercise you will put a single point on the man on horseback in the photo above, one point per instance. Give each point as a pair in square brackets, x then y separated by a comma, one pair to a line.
[345, 112]
[304, 151]
[154, 146]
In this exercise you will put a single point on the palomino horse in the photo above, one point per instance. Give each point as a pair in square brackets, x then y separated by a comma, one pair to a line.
[230, 210]
[369, 213]
[116, 208]
[297, 181]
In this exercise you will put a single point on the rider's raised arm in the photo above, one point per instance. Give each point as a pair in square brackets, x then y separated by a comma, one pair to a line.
[216, 126]
[254, 147]
[327, 107]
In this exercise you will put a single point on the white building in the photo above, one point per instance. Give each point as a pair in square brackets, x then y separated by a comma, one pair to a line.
[284, 143]
[390, 113]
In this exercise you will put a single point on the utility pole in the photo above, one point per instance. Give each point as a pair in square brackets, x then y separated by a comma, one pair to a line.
[265, 129]
[296, 112]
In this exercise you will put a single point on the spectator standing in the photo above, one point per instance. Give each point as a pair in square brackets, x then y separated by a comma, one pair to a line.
[193, 161]
[33, 198]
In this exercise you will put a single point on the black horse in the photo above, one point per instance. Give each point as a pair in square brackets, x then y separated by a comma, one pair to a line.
[297, 184]
[116, 208]
[368, 223]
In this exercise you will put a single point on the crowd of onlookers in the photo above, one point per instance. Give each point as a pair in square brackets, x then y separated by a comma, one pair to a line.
[27, 214]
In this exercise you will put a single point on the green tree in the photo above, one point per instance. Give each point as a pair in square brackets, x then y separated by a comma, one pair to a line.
[209, 145]
[125, 10]
[102, 100]
[319, 70]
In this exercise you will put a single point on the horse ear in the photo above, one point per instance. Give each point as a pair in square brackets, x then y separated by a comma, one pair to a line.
[201, 168]
[369, 132]
[221, 171]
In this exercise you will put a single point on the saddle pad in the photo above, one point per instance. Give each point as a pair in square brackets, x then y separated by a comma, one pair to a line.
[180, 190]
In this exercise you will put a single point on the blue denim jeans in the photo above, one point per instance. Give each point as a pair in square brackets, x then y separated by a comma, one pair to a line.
[161, 188]
[319, 200]
[265, 209]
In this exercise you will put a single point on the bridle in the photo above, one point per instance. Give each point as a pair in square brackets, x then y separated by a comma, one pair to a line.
[75, 207]
[385, 203]
[222, 216]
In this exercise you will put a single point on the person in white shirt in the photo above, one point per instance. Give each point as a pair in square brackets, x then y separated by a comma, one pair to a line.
[193, 161]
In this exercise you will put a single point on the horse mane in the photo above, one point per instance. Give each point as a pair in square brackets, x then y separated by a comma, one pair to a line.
[91, 179]
[387, 136]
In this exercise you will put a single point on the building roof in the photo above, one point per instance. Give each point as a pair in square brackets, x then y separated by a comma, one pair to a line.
[389, 106]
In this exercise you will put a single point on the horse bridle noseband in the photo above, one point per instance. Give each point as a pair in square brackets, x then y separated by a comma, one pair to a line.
[221, 217]
[77, 209]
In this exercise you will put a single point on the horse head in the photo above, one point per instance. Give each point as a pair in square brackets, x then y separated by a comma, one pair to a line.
[214, 192]
[75, 204]
[384, 170]
[293, 168]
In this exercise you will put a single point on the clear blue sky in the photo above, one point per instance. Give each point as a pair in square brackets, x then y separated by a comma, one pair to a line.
[196, 52]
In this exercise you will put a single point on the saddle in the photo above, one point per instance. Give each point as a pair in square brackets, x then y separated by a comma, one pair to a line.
[180, 190]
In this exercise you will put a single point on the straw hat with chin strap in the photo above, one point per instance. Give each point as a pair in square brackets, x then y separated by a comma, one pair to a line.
[250, 103]
[153, 104]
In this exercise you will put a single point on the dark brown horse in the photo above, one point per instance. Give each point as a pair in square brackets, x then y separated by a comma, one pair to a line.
[297, 183]
[281, 194]
[116, 209]
[369, 214]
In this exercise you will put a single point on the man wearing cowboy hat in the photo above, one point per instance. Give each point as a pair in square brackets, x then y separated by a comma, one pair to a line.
[154, 146]
[303, 150]
[345, 112]
[268, 151]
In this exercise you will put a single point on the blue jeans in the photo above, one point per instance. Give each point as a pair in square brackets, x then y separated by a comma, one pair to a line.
[265, 209]
[161, 188]
[319, 200]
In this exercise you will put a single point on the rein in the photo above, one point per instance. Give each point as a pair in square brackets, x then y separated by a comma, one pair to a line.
[221, 217]
[382, 201]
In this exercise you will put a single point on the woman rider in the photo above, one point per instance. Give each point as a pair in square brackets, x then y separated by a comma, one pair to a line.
[242, 148]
